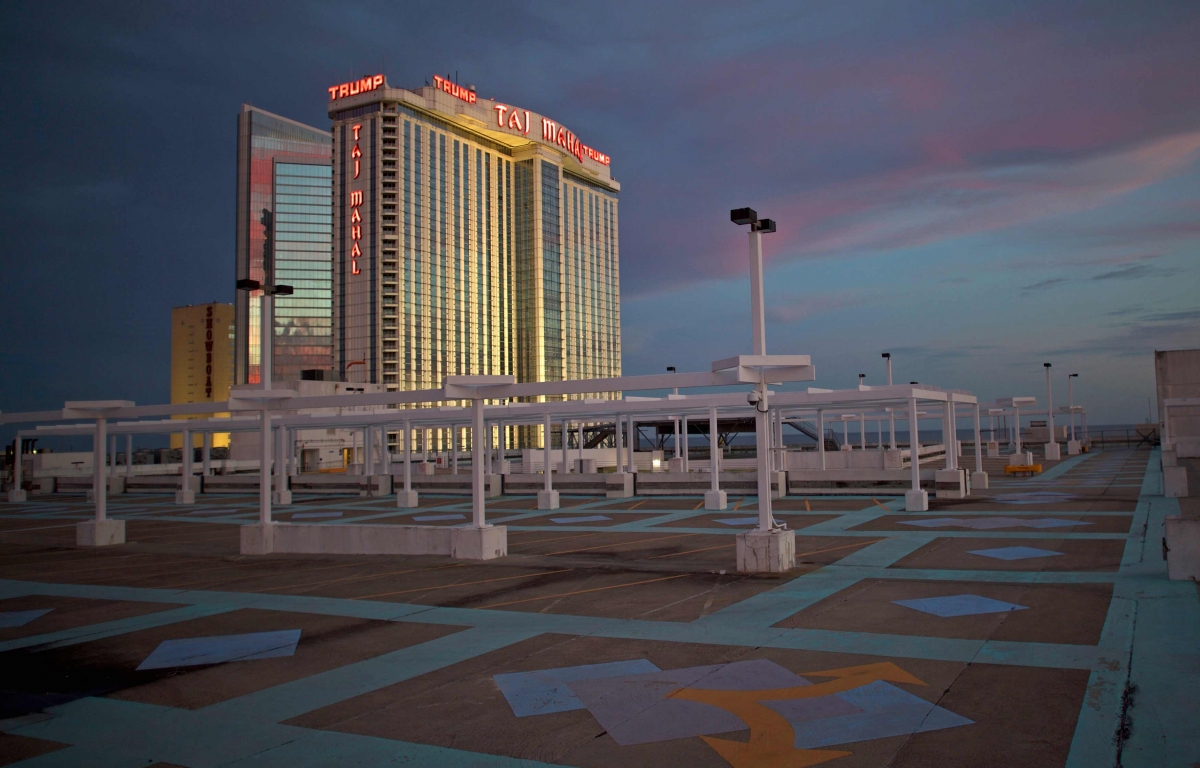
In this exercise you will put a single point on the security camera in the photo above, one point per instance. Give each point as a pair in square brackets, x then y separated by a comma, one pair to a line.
[753, 397]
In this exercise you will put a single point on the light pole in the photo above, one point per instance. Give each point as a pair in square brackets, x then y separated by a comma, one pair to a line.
[266, 340]
[758, 320]
[1052, 452]
[887, 356]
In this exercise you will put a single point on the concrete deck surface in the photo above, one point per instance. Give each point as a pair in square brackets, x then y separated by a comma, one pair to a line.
[1031, 624]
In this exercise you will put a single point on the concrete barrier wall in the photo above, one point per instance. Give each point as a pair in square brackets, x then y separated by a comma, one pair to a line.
[310, 538]
[884, 482]
[590, 484]
[697, 483]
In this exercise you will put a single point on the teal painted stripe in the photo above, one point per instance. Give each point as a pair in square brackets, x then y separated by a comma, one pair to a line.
[305, 695]
[112, 628]
[1066, 466]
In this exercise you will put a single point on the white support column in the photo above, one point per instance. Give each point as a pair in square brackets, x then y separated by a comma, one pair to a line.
[762, 437]
[407, 499]
[99, 531]
[675, 423]
[891, 425]
[979, 478]
[478, 445]
[99, 483]
[1052, 450]
[916, 499]
[715, 498]
[368, 462]
[185, 494]
[386, 449]
[547, 497]
[283, 494]
[566, 441]
[947, 437]
[206, 455]
[631, 425]
[779, 451]
[821, 437]
[618, 425]
[454, 449]
[112, 455]
[845, 431]
[16, 494]
[129, 455]
[264, 467]
[862, 431]
[686, 443]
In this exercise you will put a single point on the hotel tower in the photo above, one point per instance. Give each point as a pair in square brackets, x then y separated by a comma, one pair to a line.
[470, 236]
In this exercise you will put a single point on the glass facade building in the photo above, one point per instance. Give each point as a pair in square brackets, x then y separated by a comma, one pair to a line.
[283, 168]
[469, 238]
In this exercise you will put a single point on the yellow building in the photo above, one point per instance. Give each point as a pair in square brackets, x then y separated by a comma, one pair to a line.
[202, 346]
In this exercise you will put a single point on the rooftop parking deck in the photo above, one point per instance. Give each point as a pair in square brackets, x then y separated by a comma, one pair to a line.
[1006, 628]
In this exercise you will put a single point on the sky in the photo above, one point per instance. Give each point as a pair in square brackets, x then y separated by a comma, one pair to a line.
[976, 187]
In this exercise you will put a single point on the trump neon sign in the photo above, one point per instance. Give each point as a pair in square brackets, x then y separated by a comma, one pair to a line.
[355, 87]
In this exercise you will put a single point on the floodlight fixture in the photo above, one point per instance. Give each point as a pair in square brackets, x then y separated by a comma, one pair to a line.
[246, 284]
[742, 216]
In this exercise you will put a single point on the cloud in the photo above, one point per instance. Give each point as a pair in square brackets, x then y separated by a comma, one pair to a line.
[1136, 272]
[1043, 284]
[797, 308]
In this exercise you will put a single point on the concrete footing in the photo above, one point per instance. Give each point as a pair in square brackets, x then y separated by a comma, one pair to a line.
[547, 499]
[950, 484]
[618, 485]
[465, 542]
[993, 450]
[91, 533]
[1181, 547]
[1053, 452]
[979, 481]
[715, 500]
[766, 551]
[1022, 459]
[282, 498]
[1175, 484]
[916, 501]
[1074, 448]
[675, 464]
[493, 486]
[486, 543]
[376, 486]
[406, 499]
[185, 497]
[16, 496]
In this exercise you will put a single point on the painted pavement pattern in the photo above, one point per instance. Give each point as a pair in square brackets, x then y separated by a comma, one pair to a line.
[1008, 628]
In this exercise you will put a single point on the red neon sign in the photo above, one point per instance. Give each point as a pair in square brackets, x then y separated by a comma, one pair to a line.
[507, 117]
[454, 89]
[355, 87]
[356, 200]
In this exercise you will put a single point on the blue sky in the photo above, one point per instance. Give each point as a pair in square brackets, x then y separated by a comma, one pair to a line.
[977, 187]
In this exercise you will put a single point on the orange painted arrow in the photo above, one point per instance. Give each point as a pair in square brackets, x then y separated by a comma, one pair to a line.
[771, 735]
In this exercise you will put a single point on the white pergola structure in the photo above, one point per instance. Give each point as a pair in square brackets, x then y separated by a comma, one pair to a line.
[862, 403]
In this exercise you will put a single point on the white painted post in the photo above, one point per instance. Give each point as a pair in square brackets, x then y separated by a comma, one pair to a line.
[1071, 405]
[206, 455]
[862, 431]
[947, 437]
[1049, 406]
[757, 309]
[915, 500]
[762, 437]
[675, 423]
[821, 436]
[633, 442]
[112, 455]
[686, 443]
[387, 450]
[617, 427]
[714, 450]
[129, 455]
[845, 431]
[546, 461]
[566, 441]
[892, 427]
[186, 457]
[978, 443]
[1017, 427]
[264, 465]
[477, 459]
[408, 436]
[99, 485]
[779, 452]
[17, 464]
[281, 463]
